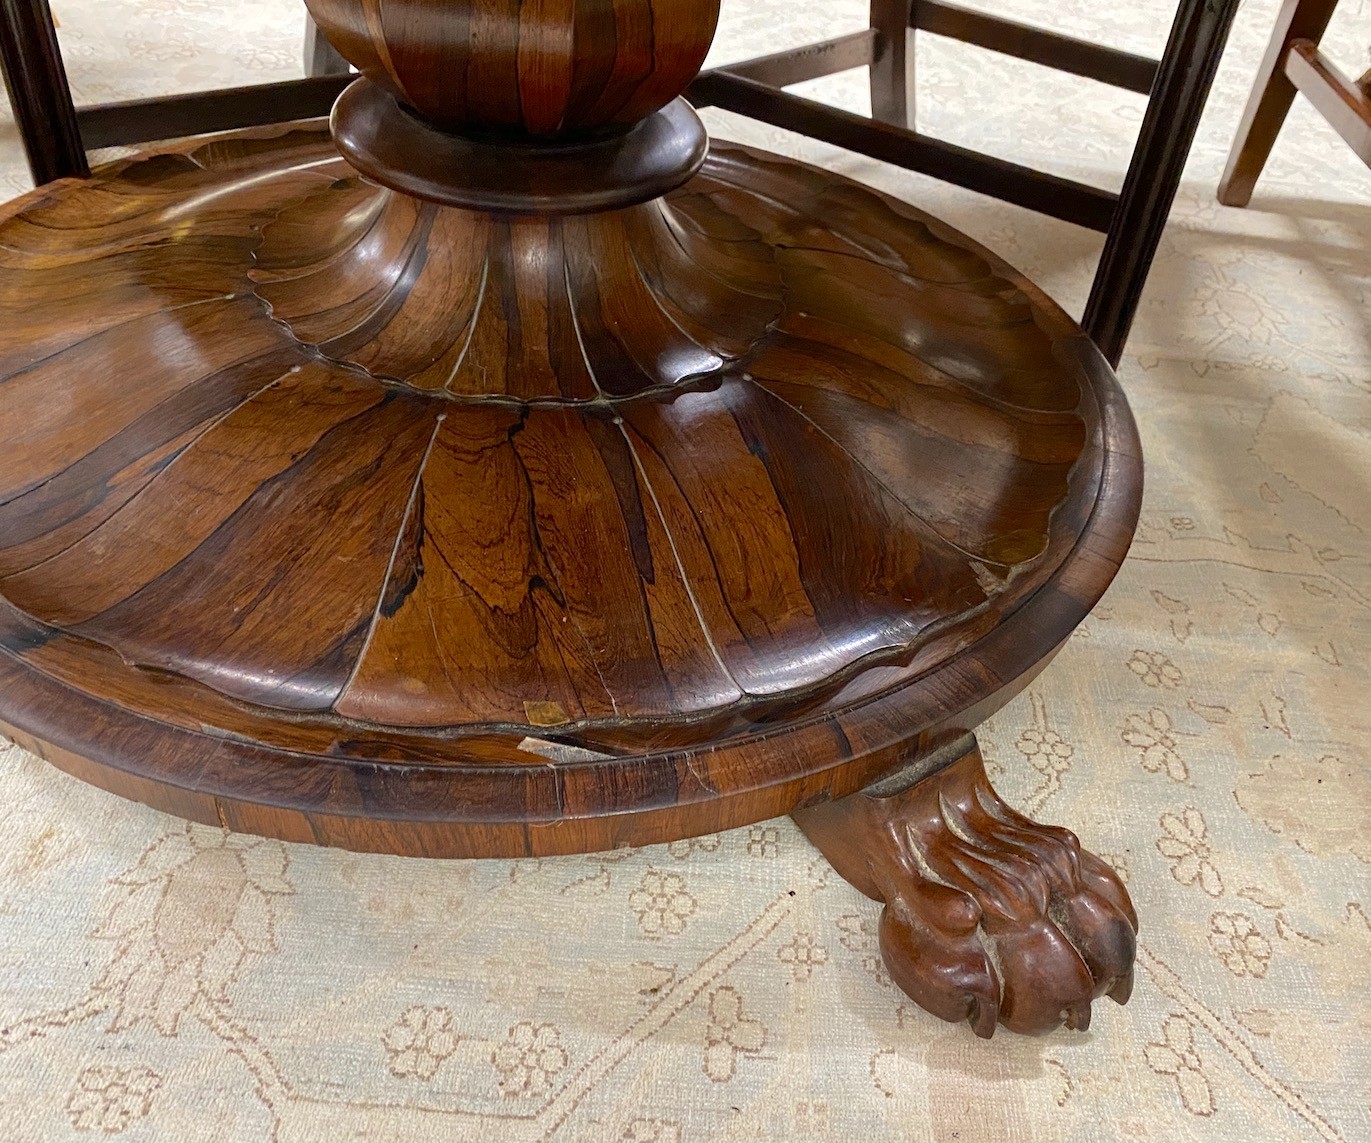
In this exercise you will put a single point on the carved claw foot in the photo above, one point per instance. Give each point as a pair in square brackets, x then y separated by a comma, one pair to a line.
[989, 917]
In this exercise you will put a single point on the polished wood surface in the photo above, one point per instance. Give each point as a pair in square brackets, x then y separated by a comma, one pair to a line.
[1343, 102]
[320, 57]
[893, 85]
[56, 134]
[988, 916]
[387, 144]
[1198, 39]
[477, 497]
[1177, 85]
[1179, 93]
[1034, 190]
[736, 488]
[1293, 63]
[1272, 96]
[40, 98]
[556, 67]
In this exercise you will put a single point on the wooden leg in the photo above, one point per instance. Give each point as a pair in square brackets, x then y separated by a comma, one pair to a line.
[1187, 69]
[321, 57]
[1272, 95]
[989, 917]
[38, 91]
[892, 66]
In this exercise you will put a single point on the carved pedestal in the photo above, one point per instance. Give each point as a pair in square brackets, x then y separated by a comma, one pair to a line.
[503, 475]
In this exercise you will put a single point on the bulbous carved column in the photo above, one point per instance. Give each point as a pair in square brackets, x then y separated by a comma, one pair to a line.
[507, 474]
[531, 144]
[543, 68]
[548, 107]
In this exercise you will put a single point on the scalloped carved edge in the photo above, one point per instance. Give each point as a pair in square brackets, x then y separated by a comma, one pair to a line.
[989, 916]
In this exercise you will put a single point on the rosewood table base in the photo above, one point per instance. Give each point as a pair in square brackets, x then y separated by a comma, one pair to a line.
[455, 493]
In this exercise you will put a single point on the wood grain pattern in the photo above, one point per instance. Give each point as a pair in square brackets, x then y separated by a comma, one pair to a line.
[540, 309]
[496, 504]
[1272, 96]
[448, 534]
[1345, 103]
[544, 68]
[390, 145]
[989, 917]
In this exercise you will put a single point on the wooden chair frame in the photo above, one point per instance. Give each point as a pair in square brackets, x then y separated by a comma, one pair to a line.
[1177, 85]
[1294, 63]
[57, 133]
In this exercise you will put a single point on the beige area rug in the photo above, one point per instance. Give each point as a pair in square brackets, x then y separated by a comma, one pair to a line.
[1207, 730]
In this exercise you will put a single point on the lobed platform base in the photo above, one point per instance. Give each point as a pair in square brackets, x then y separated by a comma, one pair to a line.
[344, 516]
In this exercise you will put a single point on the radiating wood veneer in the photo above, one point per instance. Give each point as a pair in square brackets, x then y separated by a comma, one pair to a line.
[525, 510]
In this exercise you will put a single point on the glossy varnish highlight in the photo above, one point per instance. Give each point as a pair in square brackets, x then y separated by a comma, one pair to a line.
[497, 502]
[408, 482]
[544, 68]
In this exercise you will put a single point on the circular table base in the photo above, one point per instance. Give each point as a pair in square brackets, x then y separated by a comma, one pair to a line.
[343, 517]
[338, 516]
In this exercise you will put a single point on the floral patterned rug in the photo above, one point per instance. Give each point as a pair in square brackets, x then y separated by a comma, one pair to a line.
[1206, 731]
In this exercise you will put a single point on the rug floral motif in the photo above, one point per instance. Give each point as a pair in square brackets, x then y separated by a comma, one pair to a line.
[1205, 731]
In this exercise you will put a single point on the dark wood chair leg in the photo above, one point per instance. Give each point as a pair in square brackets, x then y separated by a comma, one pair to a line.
[321, 57]
[1184, 78]
[1272, 96]
[892, 63]
[38, 91]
